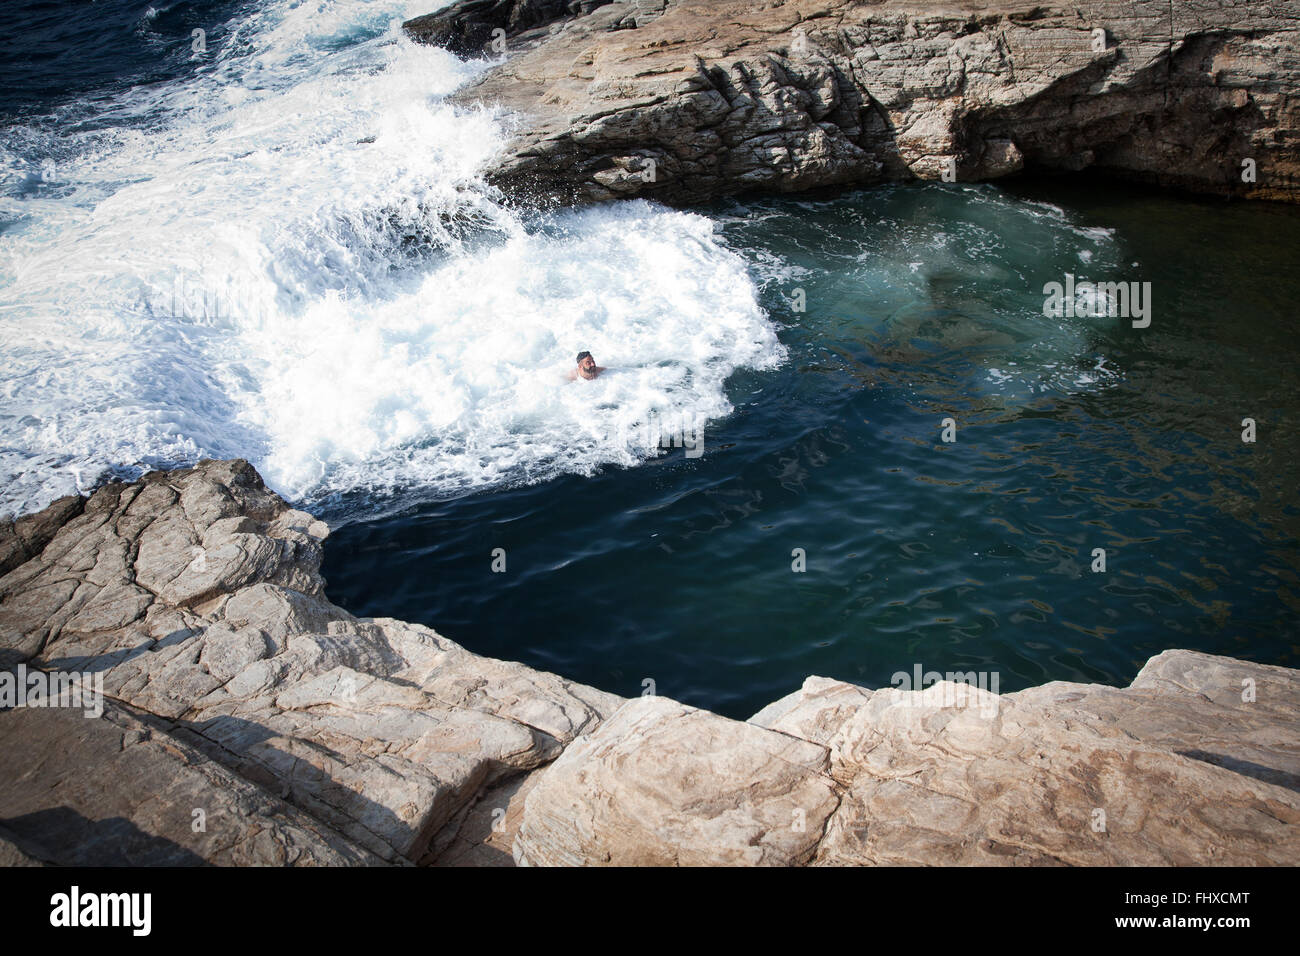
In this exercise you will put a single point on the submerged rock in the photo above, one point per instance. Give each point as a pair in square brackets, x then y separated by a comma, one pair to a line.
[687, 100]
[237, 696]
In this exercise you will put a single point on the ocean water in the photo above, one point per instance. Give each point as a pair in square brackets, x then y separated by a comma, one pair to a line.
[922, 303]
[275, 244]
[280, 250]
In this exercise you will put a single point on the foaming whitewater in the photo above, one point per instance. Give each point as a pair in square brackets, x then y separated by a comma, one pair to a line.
[459, 381]
[286, 254]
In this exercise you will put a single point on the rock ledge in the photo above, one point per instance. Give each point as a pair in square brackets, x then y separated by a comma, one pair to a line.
[688, 100]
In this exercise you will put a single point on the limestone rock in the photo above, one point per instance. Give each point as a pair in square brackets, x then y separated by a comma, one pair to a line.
[664, 784]
[484, 834]
[1177, 769]
[1222, 711]
[25, 538]
[933, 785]
[687, 100]
[195, 596]
[814, 712]
[11, 855]
[127, 796]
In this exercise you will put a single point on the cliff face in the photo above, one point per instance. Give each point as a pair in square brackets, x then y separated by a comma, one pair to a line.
[245, 719]
[686, 100]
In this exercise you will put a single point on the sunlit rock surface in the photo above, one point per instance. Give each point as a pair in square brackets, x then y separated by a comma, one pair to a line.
[196, 598]
[685, 100]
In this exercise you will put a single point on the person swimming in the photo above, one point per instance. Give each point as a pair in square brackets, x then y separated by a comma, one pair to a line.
[587, 367]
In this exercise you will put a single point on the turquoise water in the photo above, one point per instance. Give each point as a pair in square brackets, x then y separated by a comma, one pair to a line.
[922, 303]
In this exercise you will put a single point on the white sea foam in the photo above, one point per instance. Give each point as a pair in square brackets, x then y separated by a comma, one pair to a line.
[459, 381]
[238, 263]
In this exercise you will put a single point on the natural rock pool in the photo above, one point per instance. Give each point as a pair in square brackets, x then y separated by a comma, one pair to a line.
[261, 231]
[1071, 434]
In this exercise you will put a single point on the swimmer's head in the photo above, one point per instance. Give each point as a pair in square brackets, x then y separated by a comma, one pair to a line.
[586, 362]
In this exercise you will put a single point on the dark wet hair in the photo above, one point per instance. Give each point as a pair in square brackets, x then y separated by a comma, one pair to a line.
[583, 355]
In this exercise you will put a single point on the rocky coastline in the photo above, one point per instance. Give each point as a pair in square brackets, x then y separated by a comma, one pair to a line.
[683, 101]
[245, 719]
[177, 689]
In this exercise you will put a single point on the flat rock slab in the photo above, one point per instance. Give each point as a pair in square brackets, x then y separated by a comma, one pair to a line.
[1177, 769]
[1234, 714]
[661, 783]
[112, 791]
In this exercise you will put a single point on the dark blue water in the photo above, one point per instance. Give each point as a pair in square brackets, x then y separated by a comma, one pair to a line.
[923, 303]
[53, 54]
